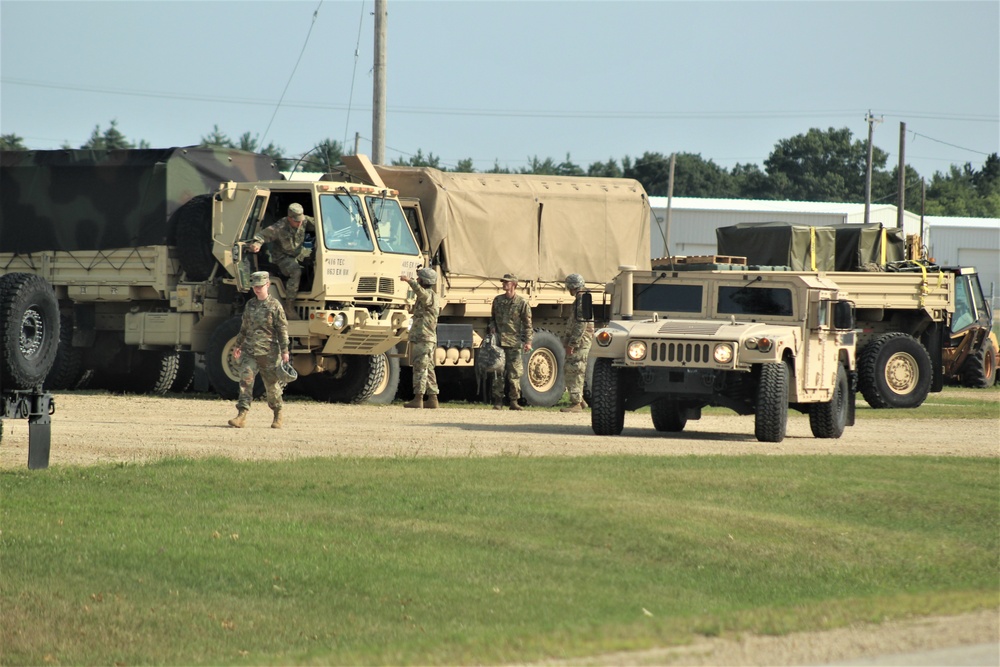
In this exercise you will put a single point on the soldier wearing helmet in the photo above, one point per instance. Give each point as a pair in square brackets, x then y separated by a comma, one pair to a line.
[510, 317]
[259, 347]
[578, 338]
[287, 238]
[423, 338]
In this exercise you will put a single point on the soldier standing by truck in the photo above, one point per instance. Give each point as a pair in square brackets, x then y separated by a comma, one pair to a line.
[423, 338]
[510, 317]
[287, 238]
[578, 339]
[264, 332]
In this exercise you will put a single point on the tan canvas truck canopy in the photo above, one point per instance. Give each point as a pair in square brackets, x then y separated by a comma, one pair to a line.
[541, 228]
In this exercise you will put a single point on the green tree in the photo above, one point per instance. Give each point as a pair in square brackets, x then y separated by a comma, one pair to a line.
[217, 139]
[465, 166]
[418, 160]
[110, 139]
[963, 191]
[652, 170]
[609, 169]
[12, 142]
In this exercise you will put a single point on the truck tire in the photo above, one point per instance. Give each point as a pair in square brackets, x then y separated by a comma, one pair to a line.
[771, 415]
[185, 373]
[894, 371]
[361, 375]
[151, 372]
[385, 392]
[828, 420]
[67, 369]
[223, 373]
[980, 369]
[544, 379]
[607, 410]
[668, 416]
[29, 330]
[194, 237]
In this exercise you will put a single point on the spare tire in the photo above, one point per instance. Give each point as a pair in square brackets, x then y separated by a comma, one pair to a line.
[29, 330]
[194, 237]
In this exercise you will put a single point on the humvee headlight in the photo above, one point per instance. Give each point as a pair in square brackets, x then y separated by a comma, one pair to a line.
[339, 321]
[723, 353]
[603, 338]
[636, 350]
[764, 344]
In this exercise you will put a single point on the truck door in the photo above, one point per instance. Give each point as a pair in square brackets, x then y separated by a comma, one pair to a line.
[252, 205]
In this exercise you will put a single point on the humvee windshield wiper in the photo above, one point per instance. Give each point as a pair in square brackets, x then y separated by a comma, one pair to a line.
[747, 286]
[643, 290]
[351, 213]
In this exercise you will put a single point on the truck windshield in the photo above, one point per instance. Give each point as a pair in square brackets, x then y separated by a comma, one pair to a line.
[665, 297]
[746, 300]
[391, 229]
[343, 225]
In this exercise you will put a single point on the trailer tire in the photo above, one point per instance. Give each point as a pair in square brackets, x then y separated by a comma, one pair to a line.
[979, 370]
[607, 411]
[828, 420]
[223, 373]
[544, 379]
[67, 369]
[362, 374]
[771, 415]
[194, 237]
[385, 392]
[29, 330]
[668, 415]
[894, 371]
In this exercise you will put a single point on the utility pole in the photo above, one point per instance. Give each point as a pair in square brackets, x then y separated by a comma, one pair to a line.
[901, 200]
[670, 199]
[378, 92]
[871, 120]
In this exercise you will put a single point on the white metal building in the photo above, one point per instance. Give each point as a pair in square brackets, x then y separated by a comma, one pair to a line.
[967, 242]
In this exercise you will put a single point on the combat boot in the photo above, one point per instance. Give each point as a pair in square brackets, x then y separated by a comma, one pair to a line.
[498, 406]
[514, 405]
[575, 407]
[290, 313]
[277, 418]
[239, 420]
[417, 402]
[431, 402]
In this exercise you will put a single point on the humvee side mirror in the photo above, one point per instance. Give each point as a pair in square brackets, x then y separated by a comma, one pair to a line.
[587, 306]
[843, 315]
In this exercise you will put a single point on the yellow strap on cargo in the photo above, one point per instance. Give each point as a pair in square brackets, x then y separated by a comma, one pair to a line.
[812, 246]
[882, 241]
[924, 289]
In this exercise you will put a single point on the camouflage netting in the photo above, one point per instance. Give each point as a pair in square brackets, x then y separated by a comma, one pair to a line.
[95, 200]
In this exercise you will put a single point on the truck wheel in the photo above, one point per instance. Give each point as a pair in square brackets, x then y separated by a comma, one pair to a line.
[979, 370]
[828, 420]
[185, 373]
[29, 330]
[67, 369]
[607, 409]
[544, 380]
[223, 372]
[668, 416]
[194, 237]
[151, 372]
[894, 371]
[771, 418]
[385, 391]
[354, 382]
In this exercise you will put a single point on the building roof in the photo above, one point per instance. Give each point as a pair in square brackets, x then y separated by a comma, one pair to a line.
[972, 223]
[758, 205]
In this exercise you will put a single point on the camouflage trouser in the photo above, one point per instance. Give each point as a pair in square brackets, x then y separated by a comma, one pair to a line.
[293, 271]
[424, 377]
[576, 371]
[264, 365]
[513, 368]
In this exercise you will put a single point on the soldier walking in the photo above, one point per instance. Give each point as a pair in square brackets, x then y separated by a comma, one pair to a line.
[577, 342]
[423, 338]
[510, 317]
[263, 338]
[287, 237]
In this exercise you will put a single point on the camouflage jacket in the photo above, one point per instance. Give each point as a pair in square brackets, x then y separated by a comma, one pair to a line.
[264, 328]
[286, 241]
[425, 314]
[579, 330]
[511, 319]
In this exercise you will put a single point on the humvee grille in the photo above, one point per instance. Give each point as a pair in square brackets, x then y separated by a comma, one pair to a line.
[679, 352]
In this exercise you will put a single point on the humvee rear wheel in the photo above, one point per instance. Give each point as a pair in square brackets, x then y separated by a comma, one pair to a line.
[607, 406]
[29, 330]
[771, 417]
[894, 371]
[222, 369]
[668, 416]
[544, 382]
[828, 420]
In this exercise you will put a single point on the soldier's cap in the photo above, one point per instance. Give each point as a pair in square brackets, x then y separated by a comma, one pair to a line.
[509, 278]
[258, 278]
[295, 212]
[427, 276]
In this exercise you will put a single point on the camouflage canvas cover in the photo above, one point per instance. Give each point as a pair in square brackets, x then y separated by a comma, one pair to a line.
[799, 247]
[861, 245]
[74, 200]
[540, 228]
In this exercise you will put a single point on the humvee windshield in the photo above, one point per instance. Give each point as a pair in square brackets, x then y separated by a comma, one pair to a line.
[343, 225]
[667, 298]
[391, 229]
[748, 300]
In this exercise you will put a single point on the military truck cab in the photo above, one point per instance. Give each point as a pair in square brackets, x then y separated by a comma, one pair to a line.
[755, 342]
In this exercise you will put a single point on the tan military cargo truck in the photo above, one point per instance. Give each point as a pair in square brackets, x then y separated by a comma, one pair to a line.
[474, 228]
[755, 342]
[147, 252]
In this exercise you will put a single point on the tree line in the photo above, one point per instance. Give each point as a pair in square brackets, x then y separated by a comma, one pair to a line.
[819, 165]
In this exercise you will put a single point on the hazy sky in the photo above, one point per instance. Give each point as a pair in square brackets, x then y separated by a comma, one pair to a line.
[504, 81]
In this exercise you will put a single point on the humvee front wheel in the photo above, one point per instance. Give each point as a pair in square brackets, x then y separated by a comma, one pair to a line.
[894, 371]
[771, 417]
[828, 420]
[607, 406]
[668, 416]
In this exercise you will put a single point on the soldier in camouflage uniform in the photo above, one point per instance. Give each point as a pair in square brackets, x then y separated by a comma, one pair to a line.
[264, 339]
[423, 338]
[579, 336]
[510, 317]
[286, 238]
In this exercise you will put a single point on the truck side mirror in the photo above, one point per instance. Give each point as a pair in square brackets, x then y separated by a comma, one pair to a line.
[587, 306]
[843, 315]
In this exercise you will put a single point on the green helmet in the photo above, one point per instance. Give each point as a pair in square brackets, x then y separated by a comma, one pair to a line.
[286, 372]
[574, 281]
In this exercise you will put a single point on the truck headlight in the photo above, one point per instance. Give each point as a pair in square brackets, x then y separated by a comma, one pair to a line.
[723, 353]
[636, 350]
[339, 320]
